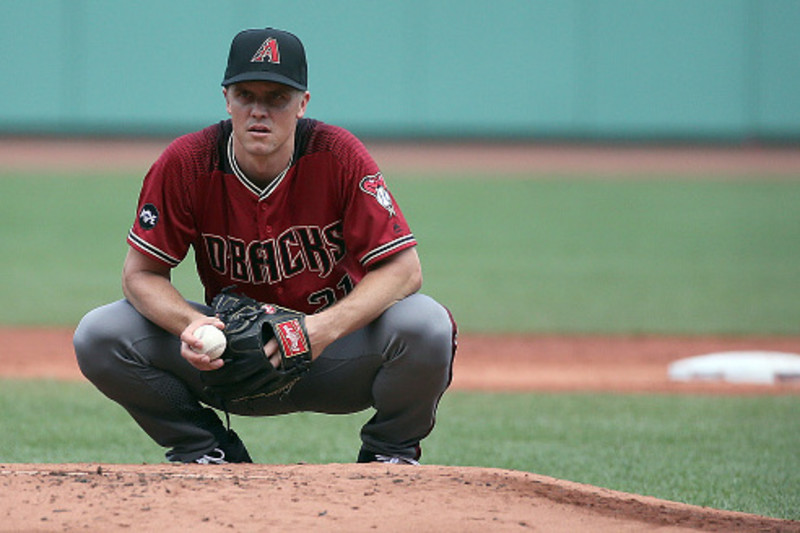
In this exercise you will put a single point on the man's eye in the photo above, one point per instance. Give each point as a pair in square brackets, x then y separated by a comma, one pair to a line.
[278, 99]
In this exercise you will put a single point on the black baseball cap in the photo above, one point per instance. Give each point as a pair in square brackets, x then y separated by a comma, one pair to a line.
[267, 55]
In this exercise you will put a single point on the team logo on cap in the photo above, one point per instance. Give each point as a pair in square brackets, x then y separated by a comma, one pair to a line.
[268, 51]
[375, 186]
[148, 216]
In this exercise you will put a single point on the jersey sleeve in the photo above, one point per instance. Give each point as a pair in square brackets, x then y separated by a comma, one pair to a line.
[164, 227]
[374, 225]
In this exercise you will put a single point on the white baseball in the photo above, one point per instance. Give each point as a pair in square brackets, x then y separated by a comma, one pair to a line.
[213, 341]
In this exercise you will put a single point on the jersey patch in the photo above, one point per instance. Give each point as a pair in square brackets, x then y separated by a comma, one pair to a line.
[148, 217]
[375, 185]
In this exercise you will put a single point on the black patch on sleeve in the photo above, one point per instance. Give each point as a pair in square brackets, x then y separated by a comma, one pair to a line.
[148, 217]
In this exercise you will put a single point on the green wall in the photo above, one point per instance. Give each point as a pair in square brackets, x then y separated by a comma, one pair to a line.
[586, 69]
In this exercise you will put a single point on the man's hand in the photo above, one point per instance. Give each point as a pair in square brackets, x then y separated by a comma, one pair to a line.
[317, 338]
[200, 361]
[253, 367]
[272, 353]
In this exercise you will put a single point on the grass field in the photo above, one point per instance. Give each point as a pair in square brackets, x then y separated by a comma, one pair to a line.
[546, 255]
[573, 255]
[577, 255]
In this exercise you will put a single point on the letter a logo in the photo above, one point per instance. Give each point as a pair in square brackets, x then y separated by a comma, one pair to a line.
[268, 51]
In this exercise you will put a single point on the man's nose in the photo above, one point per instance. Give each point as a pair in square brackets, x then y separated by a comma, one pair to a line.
[259, 108]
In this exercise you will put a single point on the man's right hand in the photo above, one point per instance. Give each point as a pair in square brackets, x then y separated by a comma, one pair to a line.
[200, 361]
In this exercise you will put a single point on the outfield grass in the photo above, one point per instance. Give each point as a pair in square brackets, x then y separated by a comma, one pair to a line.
[723, 452]
[605, 256]
[546, 255]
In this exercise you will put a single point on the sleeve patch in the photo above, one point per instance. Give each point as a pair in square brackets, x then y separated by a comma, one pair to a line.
[375, 186]
[148, 217]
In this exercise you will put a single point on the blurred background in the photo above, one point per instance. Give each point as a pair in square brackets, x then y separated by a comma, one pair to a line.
[682, 70]
[558, 221]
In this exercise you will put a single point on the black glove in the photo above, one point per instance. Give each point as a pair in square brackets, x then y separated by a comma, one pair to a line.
[249, 325]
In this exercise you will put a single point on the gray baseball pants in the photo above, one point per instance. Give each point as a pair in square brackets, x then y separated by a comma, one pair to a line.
[400, 365]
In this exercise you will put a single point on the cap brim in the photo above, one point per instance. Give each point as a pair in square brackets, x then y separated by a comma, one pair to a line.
[263, 76]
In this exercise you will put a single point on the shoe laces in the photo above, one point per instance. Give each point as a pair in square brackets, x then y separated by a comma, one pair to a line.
[395, 460]
[214, 457]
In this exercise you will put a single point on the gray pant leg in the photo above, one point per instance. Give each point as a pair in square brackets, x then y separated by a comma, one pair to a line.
[418, 336]
[138, 365]
[400, 364]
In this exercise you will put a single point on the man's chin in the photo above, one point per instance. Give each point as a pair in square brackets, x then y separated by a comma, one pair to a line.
[259, 147]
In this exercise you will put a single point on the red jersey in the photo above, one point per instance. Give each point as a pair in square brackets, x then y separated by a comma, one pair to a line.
[303, 242]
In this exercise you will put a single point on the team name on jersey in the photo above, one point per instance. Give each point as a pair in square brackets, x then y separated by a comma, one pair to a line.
[298, 249]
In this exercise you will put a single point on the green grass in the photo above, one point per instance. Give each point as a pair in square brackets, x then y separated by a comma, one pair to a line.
[541, 255]
[569, 255]
[593, 256]
[63, 244]
[730, 453]
[723, 452]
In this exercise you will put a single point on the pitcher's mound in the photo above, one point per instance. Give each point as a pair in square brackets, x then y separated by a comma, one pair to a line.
[336, 497]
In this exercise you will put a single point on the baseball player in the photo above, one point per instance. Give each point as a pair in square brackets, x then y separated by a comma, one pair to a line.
[290, 211]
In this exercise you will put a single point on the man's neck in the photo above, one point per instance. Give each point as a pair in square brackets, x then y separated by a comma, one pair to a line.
[262, 171]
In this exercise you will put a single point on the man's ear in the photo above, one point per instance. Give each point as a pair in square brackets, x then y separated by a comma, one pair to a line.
[301, 111]
[227, 103]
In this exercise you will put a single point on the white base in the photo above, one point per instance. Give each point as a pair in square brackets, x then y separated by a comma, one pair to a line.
[738, 367]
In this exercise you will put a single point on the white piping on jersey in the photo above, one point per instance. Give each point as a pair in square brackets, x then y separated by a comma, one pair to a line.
[152, 250]
[255, 189]
[386, 248]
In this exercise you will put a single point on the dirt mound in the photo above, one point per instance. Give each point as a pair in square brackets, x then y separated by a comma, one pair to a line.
[335, 497]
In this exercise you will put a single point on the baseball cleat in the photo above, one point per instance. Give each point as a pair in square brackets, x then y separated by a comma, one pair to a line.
[366, 456]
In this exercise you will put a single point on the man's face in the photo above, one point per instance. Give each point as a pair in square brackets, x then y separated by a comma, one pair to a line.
[264, 115]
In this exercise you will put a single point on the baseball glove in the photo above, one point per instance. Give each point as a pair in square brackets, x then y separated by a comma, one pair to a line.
[249, 325]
